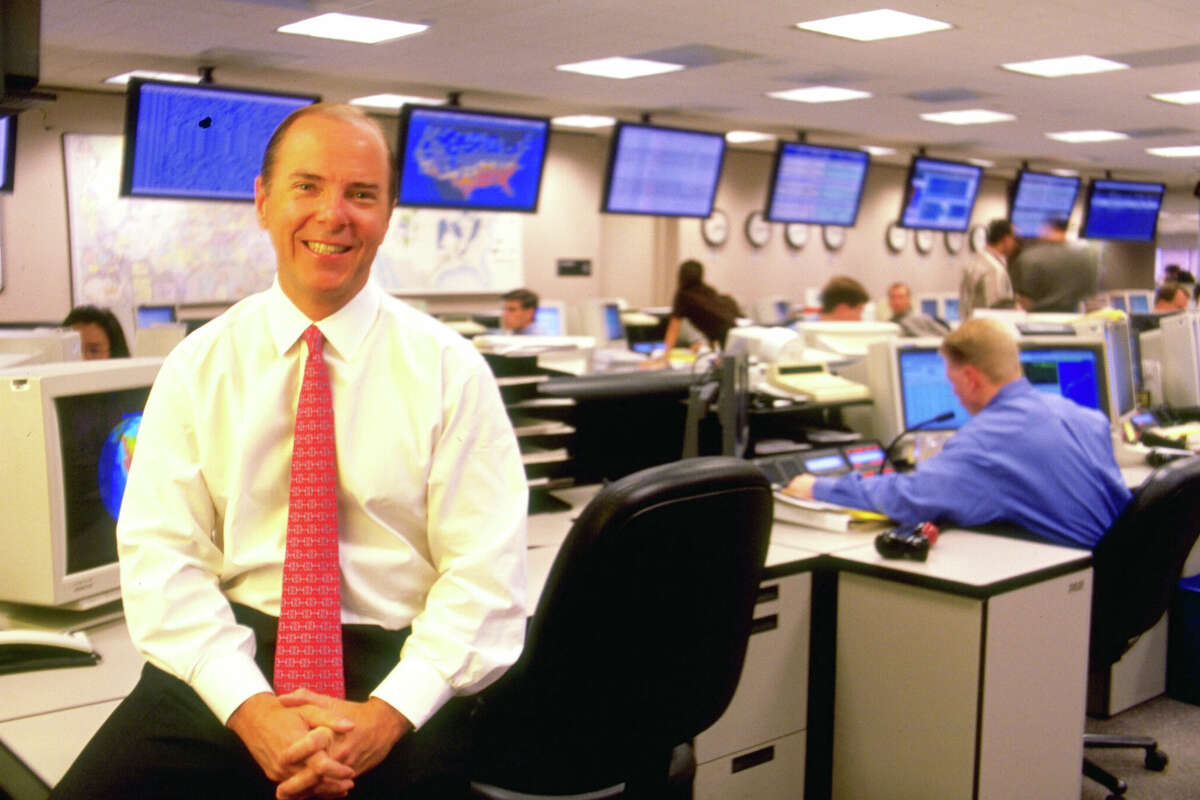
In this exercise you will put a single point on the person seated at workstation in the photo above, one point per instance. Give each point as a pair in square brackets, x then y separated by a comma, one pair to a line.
[100, 332]
[1032, 459]
[711, 312]
[912, 323]
[985, 282]
[842, 300]
[1170, 297]
[518, 312]
[1054, 274]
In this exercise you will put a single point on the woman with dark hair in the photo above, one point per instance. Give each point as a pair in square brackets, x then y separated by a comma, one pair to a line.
[712, 313]
[99, 331]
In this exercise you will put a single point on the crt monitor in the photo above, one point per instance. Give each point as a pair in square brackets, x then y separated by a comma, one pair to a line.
[1073, 369]
[39, 346]
[551, 318]
[201, 142]
[68, 433]
[950, 309]
[907, 378]
[1118, 301]
[154, 315]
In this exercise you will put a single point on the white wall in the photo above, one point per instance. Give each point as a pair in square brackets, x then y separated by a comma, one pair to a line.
[632, 256]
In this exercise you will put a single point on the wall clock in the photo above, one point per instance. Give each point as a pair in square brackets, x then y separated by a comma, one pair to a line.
[978, 238]
[923, 239]
[795, 234]
[896, 237]
[834, 236]
[954, 242]
[715, 228]
[758, 230]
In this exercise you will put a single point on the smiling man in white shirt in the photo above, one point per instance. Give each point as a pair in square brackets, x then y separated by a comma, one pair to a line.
[431, 502]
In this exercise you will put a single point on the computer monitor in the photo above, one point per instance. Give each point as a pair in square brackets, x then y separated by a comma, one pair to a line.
[154, 315]
[40, 346]
[8, 151]
[1119, 301]
[907, 379]
[818, 185]
[847, 339]
[1123, 376]
[601, 319]
[940, 195]
[158, 340]
[1140, 301]
[1070, 367]
[471, 159]
[950, 309]
[1038, 198]
[772, 310]
[551, 317]
[662, 171]
[929, 305]
[68, 433]
[198, 141]
[1122, 210]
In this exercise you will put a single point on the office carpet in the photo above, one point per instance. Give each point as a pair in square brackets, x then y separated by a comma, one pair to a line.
[1176, 726]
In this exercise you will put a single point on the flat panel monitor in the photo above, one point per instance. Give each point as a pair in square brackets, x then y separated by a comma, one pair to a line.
[940, 195]
[819, 185]
[154, 315]
[69, 433]
[471, 159]
[1038, 198]
[668, 172]
[550, 318]
[1122, 210]
[8, 151]
[200, 142]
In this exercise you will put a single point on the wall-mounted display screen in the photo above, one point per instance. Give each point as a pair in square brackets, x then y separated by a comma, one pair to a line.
[818, 185]
[460, 158]
[8, 151]
[940, 195]
[663, 171]
[1122, 210]
[1038, 198]
[198, 142]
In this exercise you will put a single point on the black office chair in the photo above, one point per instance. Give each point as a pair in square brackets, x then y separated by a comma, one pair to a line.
[638, 639]
[1136, 566]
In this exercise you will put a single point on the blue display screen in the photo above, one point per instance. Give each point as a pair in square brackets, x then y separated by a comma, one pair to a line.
[452, 158]
[925, 391]
[865, 456]
[198, 142]
[951, 314]
[1073, 373]
[1122, 210]
[929, 307]
[1117, 301]
[819, 185]
[1139, 303]
[8, 141]
[940, 194]
[1039, 198]
[154, 315]
[663, 171]
[614, 330]
[824, 464]
[549, 320]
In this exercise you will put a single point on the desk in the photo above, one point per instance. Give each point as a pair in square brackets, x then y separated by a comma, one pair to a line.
[763, 746]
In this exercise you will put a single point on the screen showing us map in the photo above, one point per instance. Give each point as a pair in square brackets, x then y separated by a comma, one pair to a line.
[470, 159]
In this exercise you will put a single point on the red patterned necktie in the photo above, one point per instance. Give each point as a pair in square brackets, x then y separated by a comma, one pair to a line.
[308, 651]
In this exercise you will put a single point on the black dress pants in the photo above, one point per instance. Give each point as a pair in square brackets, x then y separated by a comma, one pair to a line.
[163, 742]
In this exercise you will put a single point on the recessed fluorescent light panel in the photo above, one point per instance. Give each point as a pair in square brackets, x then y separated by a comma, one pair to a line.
[1182, 151]
[151, 75]
[968, 116]
[870, 26]
[396, 101]
[584, 121]
[620, 67]
[1066, 173]
[745, 137]
[1061, 67]
[351, 28]
[819, 94]
[981, 162]
[1082, 137]
[876, 150]
[1181, 98]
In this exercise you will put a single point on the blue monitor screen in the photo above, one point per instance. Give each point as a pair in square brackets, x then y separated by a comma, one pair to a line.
[819, 185]
[940, 194]
[1122, 210]
[1139, 303]
[614, 330]
[549, 320]
[455, 158]
[783, 309]
[825, 464]
[663, 171]
[925, 391]
[198, 142]
[154, 315]
[1070, 372]
[8, 150]
[929, 307]
[951, 311]
[1117, 301]
[1038, 198]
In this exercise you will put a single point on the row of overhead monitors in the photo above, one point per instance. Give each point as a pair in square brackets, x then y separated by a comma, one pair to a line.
[207, 141]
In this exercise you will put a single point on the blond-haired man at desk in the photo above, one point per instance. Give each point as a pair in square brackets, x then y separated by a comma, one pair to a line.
[1028, 458]
[410, 511]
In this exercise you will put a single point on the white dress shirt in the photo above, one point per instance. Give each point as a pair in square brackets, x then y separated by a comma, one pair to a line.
[431, 499]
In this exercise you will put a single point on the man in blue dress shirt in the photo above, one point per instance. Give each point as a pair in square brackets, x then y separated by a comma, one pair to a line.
[1028, 458]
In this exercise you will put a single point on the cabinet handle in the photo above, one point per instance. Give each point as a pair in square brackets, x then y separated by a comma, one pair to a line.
[753, 759]
[767, 593]
[764, 624]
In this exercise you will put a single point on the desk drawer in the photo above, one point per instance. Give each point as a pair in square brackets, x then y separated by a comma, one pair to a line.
[772, 696]
[774, 771]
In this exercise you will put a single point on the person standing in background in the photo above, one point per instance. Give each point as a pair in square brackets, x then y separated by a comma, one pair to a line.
[1054, 274]
[985, 282]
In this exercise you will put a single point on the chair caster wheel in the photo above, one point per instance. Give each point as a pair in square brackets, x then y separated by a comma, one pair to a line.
[1156, 760]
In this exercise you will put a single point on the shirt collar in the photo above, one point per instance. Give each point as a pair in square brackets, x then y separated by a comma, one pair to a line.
[345, 329]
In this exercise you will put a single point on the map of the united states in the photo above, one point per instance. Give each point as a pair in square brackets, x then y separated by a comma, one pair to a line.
[470, 160]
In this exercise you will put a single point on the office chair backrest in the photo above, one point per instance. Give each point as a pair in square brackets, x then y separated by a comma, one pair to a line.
[1137, 563]
[638, 639]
